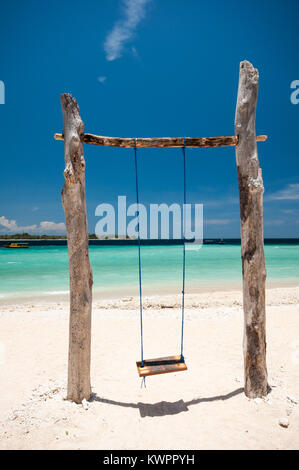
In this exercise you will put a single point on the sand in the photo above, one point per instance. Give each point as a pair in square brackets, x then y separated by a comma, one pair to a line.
[202, 408]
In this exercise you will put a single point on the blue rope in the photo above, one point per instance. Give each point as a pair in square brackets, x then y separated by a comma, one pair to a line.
[143, 384]
[184, 253]
[139, 254]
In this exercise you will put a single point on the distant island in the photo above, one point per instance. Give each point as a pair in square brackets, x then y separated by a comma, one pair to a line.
[91, 236]
[127, 240]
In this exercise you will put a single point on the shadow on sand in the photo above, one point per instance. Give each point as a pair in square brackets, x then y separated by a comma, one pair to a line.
[164, 408]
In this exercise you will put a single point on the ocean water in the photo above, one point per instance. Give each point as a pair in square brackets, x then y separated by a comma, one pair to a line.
[43, 270]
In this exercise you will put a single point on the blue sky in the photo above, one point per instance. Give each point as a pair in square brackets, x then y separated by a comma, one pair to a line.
[146, 68]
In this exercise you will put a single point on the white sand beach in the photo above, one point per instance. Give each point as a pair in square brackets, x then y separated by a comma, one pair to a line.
[202, 408]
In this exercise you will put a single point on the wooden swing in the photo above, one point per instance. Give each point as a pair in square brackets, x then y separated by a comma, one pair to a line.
[251, 211]
[161, 365]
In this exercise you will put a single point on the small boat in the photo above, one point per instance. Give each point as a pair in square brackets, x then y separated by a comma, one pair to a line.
[17, 245]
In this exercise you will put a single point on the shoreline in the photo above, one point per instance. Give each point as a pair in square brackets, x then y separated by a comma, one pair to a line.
[166, 301]
[172, 288]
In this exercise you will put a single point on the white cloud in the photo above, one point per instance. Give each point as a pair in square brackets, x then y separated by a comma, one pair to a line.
[52, 227]
[124, 29]
[135, 52]
[7, 223]
[290, 192]
[11, 226]
[102, 79]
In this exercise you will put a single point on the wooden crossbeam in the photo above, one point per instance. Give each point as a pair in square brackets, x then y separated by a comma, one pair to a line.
[146, 142]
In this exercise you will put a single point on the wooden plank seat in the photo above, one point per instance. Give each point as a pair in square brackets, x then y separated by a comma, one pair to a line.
[161, 365]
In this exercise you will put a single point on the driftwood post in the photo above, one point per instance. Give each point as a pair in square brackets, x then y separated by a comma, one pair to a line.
[74, 204]
[252, 234]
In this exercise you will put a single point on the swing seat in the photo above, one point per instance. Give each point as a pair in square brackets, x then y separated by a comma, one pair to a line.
[161, 365]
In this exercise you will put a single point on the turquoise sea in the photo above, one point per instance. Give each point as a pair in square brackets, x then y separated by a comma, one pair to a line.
[43, 270]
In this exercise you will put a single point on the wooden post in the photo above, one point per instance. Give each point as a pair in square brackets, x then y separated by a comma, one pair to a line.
[252, 234]
[74, 204]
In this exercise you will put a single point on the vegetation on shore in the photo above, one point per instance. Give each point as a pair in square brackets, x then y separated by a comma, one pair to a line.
[28, 236]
